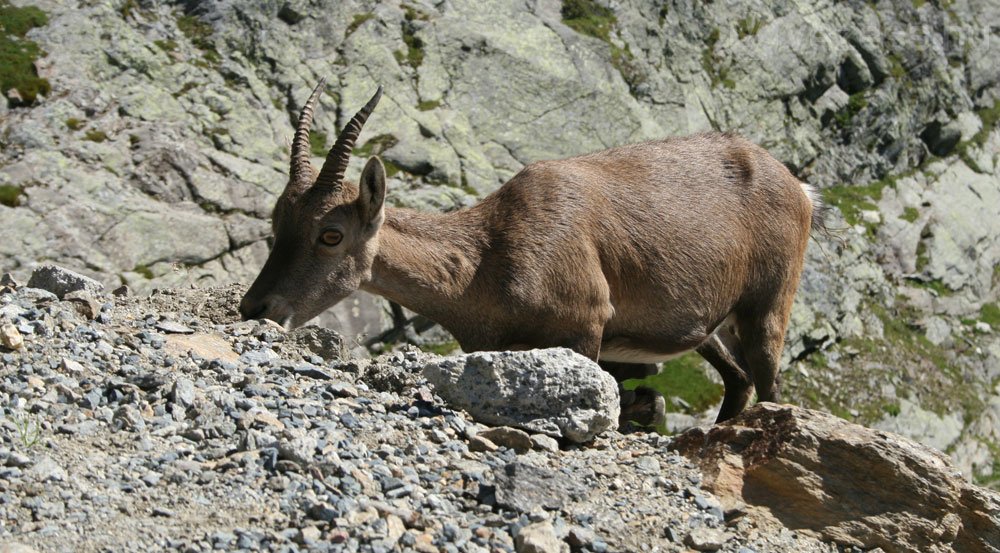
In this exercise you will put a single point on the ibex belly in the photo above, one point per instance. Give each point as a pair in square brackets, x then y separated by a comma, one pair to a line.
[625, 347]
[623, 350]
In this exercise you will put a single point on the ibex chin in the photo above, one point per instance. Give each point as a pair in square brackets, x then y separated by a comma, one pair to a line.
[635, 254]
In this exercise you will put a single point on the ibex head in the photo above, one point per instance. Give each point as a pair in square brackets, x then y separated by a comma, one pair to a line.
[325, 229]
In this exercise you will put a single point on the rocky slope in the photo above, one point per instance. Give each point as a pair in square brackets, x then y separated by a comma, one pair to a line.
[164, 423]
[155, 154]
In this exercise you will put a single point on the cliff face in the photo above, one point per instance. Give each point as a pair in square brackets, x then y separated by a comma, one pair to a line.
[156, 155]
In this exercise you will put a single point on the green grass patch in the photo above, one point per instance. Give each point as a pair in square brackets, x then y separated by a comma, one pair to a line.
[892, 409]
[166, 45]
[200, 35]
[587, 17]
[990, 314]
[684, 378]
[896, 68]
[855, 103]
[414, 54]
[317, 143]
[748, 26]
[910, 214]
[75, 124]
[145, 271]
[935, 285]
[376, 145]
[989, 117]
[441, 348]
[852, 200]
[357, 21]
[711, 63]
[10, 195]
[95, 136]
[18, 54]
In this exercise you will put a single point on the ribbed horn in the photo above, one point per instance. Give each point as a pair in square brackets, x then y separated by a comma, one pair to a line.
[302, 170]
[332, 174]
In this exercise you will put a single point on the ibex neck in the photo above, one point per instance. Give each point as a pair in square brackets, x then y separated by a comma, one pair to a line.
[425, 261]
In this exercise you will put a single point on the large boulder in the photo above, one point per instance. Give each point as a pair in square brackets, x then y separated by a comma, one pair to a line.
[550, 391]
[859, 487]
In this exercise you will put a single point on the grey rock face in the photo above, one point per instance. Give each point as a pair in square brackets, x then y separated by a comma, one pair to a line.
[61, 281]
[159, 154]
[552, 391]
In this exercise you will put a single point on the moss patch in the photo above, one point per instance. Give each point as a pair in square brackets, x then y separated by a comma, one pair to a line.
[684, 378]
[10, 195]
[428, 105]
[95, 136]
[18, 54]
[74, 124]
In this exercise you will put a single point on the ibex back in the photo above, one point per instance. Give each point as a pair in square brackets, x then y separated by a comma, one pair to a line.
[634, 254]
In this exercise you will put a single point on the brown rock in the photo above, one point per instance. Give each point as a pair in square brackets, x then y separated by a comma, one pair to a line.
[505, 436]
[539, 537]
[859, 487]
[479, 443]
[10, 337]
[84, 303]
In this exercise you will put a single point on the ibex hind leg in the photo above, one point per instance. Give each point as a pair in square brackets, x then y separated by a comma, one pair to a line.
[763, 340]
[724, 352]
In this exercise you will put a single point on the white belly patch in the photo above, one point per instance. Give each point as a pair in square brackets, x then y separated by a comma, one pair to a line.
[620, 354]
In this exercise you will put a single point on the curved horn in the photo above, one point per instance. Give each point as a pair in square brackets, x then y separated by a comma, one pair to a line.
[332, 174]
[302, 170]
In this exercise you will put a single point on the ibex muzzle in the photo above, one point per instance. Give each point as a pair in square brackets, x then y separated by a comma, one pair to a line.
[635, 254]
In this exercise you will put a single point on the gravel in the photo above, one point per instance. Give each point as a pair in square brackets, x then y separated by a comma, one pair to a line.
[164, 423]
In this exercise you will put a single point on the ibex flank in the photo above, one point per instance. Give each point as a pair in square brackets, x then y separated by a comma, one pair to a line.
[634, 254]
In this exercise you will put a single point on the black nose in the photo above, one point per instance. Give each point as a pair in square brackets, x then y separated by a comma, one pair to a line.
[252, 309]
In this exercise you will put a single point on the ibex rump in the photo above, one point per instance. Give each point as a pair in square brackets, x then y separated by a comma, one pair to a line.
[634, 254]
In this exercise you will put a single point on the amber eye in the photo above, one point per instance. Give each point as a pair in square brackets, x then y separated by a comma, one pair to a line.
[331, 237]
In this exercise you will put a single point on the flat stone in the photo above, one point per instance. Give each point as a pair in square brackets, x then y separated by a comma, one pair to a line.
[61, 281]
[525, 488]
[505, 436]
[171, 327]
[539, 537]
[707, 539]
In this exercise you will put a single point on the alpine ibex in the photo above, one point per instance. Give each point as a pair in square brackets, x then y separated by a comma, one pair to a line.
[635, 254]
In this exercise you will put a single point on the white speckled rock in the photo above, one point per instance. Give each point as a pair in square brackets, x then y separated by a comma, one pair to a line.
[550, 391]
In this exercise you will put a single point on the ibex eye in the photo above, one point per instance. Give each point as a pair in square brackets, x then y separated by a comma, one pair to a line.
[331, 237]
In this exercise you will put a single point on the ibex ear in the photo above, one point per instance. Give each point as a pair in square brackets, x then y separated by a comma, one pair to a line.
[371, 191]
